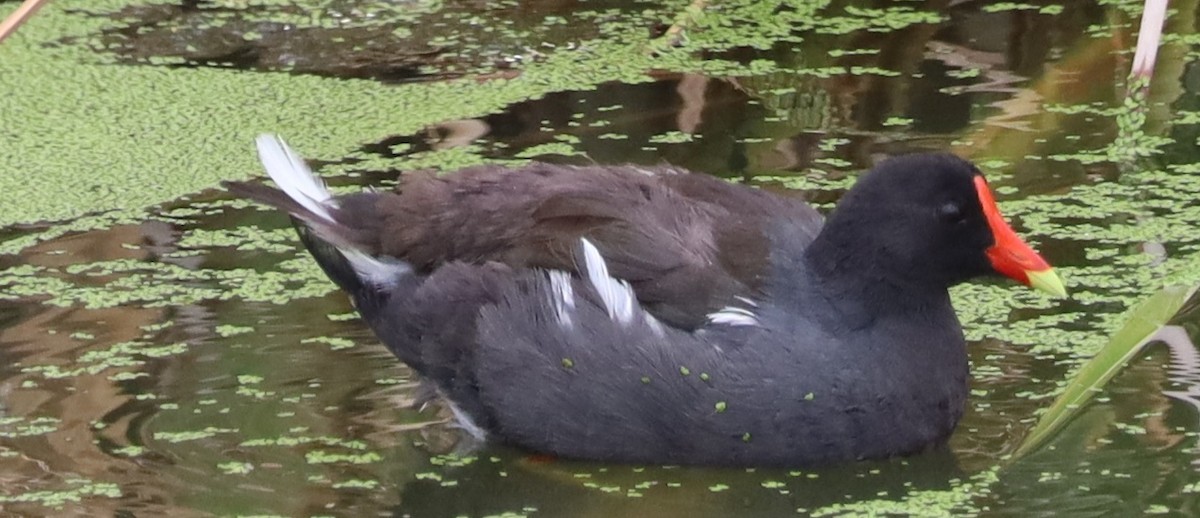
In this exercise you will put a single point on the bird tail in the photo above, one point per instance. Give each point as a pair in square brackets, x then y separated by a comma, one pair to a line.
[315, 211]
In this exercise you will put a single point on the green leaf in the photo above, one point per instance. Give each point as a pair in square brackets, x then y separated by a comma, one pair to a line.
[1143, 323]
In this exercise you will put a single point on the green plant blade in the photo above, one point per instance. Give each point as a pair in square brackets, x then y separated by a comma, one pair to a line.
[1144, 321]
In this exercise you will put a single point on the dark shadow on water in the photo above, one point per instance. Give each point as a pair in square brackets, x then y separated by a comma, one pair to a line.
[705, 124]
[344, 39]
[562, 488]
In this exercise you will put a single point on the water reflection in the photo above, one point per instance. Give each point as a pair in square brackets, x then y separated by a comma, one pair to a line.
[510, 482]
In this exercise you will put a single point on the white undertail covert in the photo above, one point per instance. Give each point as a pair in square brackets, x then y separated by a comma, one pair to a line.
[295, 179]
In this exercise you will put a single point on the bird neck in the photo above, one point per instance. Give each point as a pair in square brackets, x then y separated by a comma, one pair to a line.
[852, 273]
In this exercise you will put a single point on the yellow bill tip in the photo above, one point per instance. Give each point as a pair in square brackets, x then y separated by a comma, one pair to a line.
[1047, 281]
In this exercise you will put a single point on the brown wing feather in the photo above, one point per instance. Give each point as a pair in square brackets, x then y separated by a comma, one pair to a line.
[687, 243]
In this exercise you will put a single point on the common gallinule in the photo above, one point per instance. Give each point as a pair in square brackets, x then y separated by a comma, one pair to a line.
[645, 314]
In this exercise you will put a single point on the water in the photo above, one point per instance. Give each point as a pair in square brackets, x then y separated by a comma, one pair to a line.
[200, 390]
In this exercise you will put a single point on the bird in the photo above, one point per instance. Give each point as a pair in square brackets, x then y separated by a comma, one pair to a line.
[650, 315]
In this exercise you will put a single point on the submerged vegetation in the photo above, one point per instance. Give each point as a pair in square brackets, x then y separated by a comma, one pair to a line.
[152, 352]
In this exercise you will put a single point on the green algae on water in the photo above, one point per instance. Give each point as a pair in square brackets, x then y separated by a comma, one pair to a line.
[235, 468]
[109, 163]
[327, 457]
[955, 501]
[77, 490]
[13, 427]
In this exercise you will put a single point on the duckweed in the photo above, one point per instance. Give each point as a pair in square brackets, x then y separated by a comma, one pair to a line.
[77, 491]
[326, 457]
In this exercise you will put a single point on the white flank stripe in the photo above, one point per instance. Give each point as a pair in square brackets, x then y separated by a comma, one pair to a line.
[746, 300]
[655, 325]
[563, 296]
[733, 316]
[384, 272]
[293, 176]
[464, 421]
[616, 294]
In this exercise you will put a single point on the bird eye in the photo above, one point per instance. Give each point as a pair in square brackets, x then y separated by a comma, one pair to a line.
[951, 213]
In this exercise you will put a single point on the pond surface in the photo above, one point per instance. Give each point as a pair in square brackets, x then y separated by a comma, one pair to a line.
[168, 350]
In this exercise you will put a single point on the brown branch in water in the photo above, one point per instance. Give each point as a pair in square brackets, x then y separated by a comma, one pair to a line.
[683, 21]
[20, 16]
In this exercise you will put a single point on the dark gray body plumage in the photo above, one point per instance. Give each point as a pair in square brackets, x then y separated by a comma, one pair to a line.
[831, 371]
